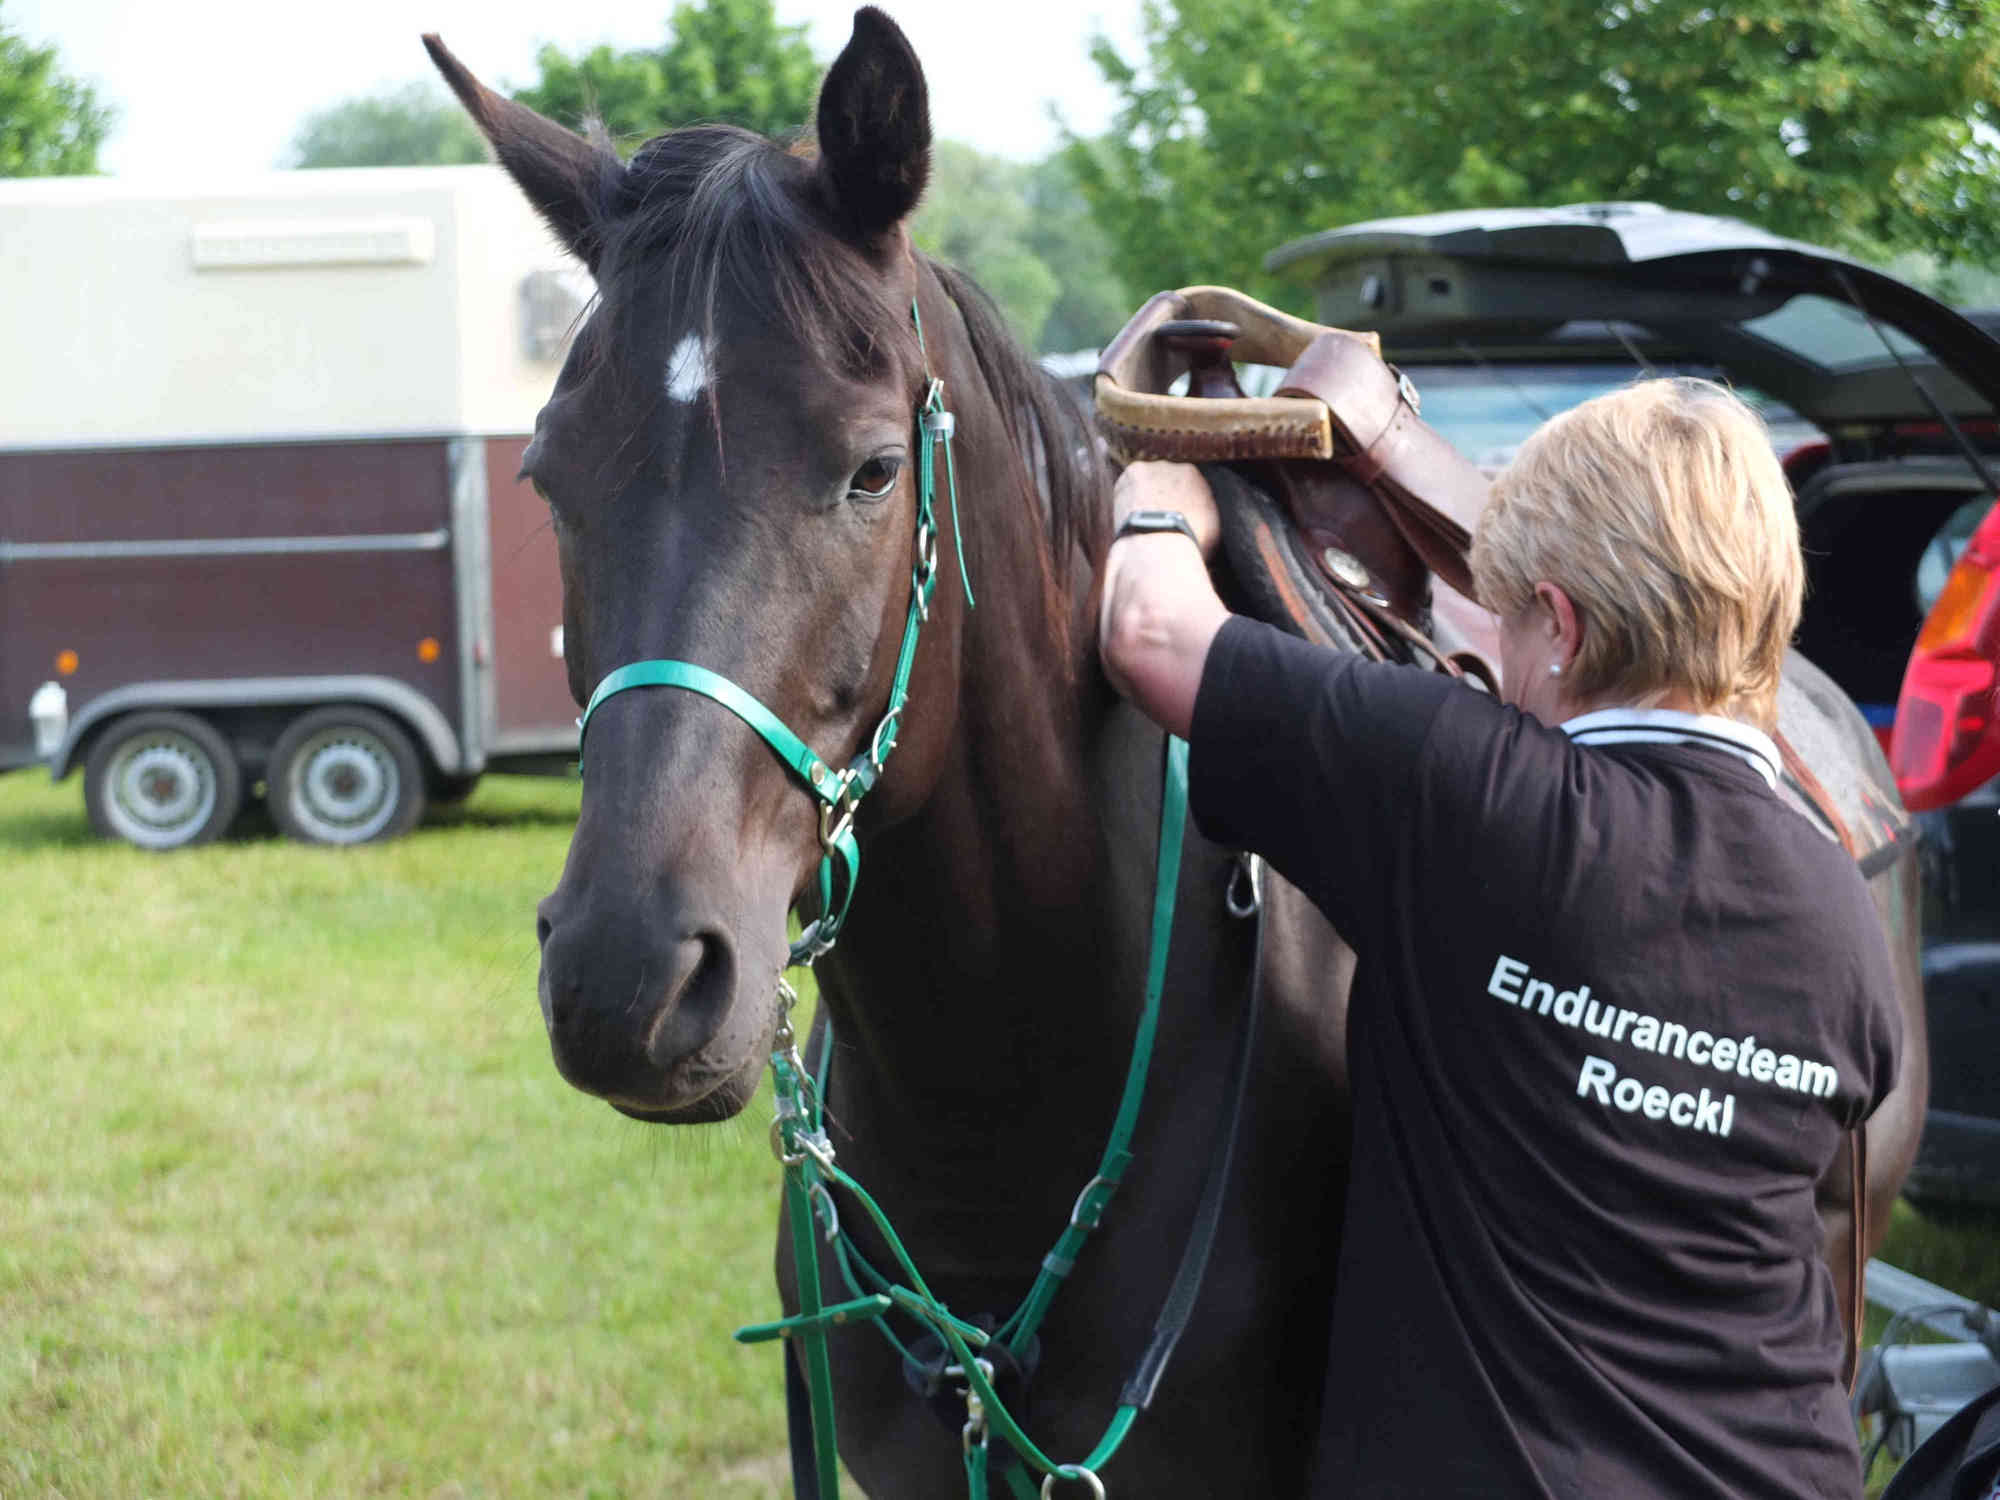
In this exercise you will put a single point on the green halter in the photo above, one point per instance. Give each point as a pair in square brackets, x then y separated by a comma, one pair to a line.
[839, 793]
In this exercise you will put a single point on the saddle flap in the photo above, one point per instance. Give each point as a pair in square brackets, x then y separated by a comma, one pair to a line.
[1432, 492]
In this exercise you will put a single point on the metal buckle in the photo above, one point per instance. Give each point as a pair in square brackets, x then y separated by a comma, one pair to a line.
[973, 1434]
[1248, 878]
[785, 1158]
[823, 1195]
[1076, 1210]
[1407, 389]
[875, 751]
[836, 817]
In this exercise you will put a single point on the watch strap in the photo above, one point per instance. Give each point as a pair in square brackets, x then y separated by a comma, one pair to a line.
[1149, 522]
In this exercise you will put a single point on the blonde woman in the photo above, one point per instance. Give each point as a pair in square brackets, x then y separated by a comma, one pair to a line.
[1615, 1003]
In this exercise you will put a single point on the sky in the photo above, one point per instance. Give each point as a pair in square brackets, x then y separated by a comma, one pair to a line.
[218, 87]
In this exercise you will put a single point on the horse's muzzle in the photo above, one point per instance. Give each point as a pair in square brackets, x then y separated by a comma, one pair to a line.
[651, 1025]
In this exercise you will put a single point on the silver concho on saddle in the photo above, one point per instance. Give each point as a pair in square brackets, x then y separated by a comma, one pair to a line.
[1340, 505]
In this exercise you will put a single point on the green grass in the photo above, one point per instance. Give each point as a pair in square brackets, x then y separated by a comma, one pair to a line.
[292, 1202]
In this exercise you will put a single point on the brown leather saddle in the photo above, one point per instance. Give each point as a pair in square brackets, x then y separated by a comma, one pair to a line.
[1353, 517]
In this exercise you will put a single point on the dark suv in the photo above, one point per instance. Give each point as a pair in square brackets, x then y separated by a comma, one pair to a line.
[1881, 402]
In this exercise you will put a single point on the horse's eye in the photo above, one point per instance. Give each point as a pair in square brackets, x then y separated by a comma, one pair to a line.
[555, 516]
[874, 479]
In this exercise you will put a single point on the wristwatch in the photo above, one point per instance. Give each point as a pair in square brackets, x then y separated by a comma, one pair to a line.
[1144, 522]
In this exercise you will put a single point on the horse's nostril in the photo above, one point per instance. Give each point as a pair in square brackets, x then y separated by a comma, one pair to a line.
[543, 928]
[696, 996]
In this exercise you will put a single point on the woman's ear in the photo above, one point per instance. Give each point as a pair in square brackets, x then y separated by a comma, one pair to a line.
[1556, 612]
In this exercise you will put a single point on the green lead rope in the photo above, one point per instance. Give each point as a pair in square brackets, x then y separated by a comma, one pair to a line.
[799, 1124]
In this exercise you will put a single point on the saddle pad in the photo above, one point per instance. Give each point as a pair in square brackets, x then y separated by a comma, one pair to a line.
[1840, 794]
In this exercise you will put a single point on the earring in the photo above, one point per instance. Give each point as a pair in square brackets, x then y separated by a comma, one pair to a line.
[1555, 669]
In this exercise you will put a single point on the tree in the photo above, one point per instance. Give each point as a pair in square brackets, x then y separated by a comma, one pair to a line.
[723, 60]
[1869, 124]
[412, 126]
[50, 124]
[1092, 302]
[1025, 235]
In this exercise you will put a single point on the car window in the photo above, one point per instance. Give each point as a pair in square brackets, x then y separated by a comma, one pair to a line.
[1942, 552]
[1833, 335]
[1487, 409]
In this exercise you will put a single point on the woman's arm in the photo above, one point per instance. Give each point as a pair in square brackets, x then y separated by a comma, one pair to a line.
[1160, 613]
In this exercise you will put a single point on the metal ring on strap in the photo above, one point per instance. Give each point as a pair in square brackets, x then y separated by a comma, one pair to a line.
[1076, 1472]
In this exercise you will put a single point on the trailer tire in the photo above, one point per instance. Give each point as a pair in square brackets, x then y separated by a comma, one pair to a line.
[161, 779]
[344, 776]
[447, 791]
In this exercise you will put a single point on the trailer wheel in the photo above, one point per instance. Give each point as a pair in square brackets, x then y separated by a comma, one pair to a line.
[446, 791]
[344, 776]
[161, 780]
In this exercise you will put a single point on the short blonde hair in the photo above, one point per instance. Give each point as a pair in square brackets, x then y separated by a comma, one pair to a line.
[1662, 512]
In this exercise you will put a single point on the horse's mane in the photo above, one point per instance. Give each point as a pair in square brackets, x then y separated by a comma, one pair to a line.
[1056, 451]
[710, 210]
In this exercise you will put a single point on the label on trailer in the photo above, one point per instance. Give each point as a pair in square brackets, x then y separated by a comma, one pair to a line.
[314, 242]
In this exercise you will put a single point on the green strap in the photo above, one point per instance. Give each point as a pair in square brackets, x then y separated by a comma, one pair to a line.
[810, 1332]
[799, 757]
[1099, 1191]
[799, 1103]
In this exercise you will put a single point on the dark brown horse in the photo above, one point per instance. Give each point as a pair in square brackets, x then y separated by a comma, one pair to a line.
[727, 456]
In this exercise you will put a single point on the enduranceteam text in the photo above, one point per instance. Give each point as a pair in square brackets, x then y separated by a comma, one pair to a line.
[1512, 982]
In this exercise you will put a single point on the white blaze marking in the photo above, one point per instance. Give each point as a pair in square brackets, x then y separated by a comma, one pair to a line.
[687, 369]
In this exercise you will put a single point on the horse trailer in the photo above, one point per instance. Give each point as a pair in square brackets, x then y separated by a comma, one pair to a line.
[259, 513]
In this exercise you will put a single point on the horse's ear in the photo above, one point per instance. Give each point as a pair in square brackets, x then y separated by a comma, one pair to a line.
[561, 172]
[874, 127]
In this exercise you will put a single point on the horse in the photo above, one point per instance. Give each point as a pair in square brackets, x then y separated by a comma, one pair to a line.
[726, 457]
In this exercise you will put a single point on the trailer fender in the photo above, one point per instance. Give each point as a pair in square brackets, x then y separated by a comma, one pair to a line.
[423, 716]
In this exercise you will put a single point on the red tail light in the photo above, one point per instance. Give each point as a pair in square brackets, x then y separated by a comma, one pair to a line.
[1946, 741]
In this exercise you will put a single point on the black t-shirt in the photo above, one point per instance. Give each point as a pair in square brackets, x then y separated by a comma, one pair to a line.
[1613, 1009]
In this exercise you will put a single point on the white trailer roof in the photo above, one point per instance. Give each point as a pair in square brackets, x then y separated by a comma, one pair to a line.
[335, 303]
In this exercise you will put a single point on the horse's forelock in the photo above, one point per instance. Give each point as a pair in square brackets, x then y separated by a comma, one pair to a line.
[715, 217]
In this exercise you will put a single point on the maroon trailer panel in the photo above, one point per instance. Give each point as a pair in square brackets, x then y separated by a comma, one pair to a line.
[533, 709]
[122, 620]
[123, 569]
[209, 493]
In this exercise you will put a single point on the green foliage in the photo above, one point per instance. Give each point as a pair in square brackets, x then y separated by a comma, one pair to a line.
[1864, 123]
[1025, 234]
[50, 124]
[1092, 302]
[723, 60]
[413, 126]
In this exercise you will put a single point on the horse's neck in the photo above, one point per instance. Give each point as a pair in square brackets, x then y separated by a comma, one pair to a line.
[983, 959]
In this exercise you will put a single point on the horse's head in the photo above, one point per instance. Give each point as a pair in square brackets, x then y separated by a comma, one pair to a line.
[730, 457]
